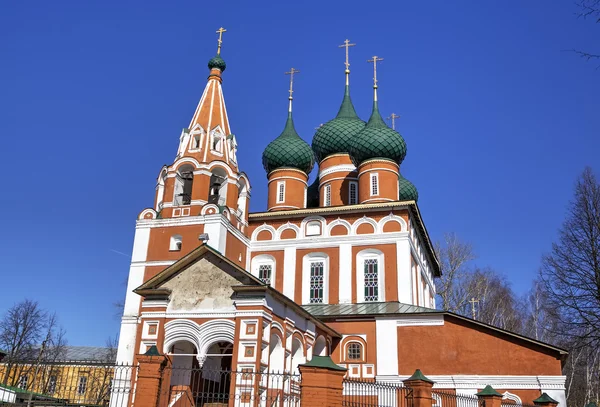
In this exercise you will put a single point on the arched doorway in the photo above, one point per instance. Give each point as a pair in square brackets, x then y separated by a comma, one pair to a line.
[204, 378]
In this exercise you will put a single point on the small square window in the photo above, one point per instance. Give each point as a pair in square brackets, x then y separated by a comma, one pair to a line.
[249, 351]
[152, 329]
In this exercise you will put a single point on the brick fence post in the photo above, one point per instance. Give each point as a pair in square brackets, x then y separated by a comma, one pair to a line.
[150, 373]
[421, 389]
[489, 397]
[322, 383]
[545, 401]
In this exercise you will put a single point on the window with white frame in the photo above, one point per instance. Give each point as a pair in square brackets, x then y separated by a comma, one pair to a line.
[264, 273]
[23, 382]
[370, 276]
[374, 184]
[354, 351]
[217, 143]
[317, 269]
[263, 267]
[315, 274]
[327, 196]
[371, 284]
[353, 193]
[175, 243]
[281, 192]
[196, 141]
[52, 384]
[82, 385]
[313, 228]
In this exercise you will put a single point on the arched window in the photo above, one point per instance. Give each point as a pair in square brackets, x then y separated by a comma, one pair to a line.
[320, 347]
[354, 351]
[184, 182]
[263, 267]
[175, 243]
[280, 192]
[370, 276]
[218, 187]
[315, 279]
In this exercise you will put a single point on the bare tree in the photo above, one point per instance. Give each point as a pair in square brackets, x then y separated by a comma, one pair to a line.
[454, 256]
[100, 379]
[571, 272]
[588, 9]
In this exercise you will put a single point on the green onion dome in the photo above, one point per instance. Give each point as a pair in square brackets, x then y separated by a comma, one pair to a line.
[217, 62]
[288, 151]
[335, 135]
[312, 194]
[377, 140]
[407, 190]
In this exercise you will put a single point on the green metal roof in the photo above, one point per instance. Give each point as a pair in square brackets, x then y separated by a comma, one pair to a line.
[335, 135]
[544, 398]
[407, 190]
[369, 308]
[288, 151]
[325, 362]
[418, 375]
[377, 140]
[217, 62]
[488, 391]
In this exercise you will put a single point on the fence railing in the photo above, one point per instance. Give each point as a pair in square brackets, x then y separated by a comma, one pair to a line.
[66, 383]
[205, 387]
[371, 393]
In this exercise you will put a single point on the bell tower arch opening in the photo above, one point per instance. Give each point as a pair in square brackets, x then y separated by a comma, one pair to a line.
[184, 182]
[217, 193]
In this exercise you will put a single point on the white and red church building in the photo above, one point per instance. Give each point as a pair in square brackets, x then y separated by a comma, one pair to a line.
[342, 267]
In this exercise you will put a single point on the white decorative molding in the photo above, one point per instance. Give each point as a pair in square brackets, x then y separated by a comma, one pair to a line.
[155, 303]
[286, 226]
[509, 396]
[393, 218]
[466, 382]
[319, 242]
[362, 220]
[420, 320]
[338, 222]
[337, 168]
[264, 227]
[201, 336]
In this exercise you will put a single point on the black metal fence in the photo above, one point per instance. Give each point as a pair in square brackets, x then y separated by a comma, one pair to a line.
[371, 393]
[215, 388]
[66, 383]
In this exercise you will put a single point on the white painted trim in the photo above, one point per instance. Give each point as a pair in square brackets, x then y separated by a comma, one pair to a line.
[374, 182]
[362, 220]
[286, 226]
[420, 320]
[386, 332]
[289, 271]
[262, 227]
[337, 222]
[280, 198]
[345, 273]
[361, 257]
[480, 381]
[337, 168]
[264, 260]
[306, 262]
[509, 396]
[393, 218]
[327, 195]
[327, 241]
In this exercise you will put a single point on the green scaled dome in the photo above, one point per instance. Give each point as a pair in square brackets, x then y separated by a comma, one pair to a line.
[407, 190]
[377, 140]
[217, 62]
[335, 135]
[288, 151]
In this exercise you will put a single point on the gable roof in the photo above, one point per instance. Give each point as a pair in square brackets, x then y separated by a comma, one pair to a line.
[153, 285]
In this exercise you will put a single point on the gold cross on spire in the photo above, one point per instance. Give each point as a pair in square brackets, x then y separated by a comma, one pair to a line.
[393, 117]
[220, 31]
[374, 60]
[347, 45]
[473, 310]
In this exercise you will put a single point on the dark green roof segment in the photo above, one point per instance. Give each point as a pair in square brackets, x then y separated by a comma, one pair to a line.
[288, 151]
[335, 135]
[324, 362]
[544, 398]
[152, 351]
[488, 391]
[418, 375]
[369, 308]
[217, 62]
[377, 140]
[407, 190]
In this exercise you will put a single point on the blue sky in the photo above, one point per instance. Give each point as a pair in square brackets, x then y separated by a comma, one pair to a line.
[498, 117]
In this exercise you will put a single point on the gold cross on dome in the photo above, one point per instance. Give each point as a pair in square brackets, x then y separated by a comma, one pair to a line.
[393, 117]
[220, 31]
[473, 310]
[347, 45]
[291, 73]
[374, 60]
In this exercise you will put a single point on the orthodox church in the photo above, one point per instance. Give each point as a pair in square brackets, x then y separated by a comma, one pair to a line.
[343, 267]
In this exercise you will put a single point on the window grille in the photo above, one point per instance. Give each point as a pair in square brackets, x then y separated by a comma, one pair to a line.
[328, 195]
[353, 195]
[354, 351]
[281, 192]
[264, 273]
[82, 385]
[316, 282]
[374, 185]
[52, 385]
[371, 280]
[23, 382]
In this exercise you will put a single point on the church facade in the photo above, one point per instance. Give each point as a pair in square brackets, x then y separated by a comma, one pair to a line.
[341, 267]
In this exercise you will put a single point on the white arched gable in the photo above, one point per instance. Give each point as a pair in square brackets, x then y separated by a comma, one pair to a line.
[223, 165]
[209, 209]
[312, 219]
[185, 160]
[264, 227]
[145, 212]
[513, 397]
[362, 220]
[393, 218]
[279, 327]
[338, 222]
[180, 330]
[213, 331]
[242, 177]
[285, 227]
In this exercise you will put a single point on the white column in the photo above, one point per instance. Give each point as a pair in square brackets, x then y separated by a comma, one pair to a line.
[217, 233]
[345, 270]
[387, 347]
[404, 270]
[289, 271]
